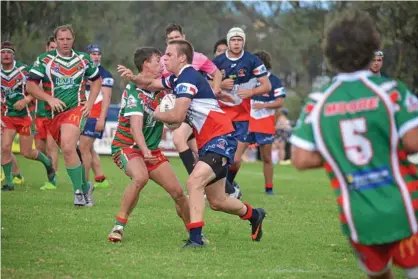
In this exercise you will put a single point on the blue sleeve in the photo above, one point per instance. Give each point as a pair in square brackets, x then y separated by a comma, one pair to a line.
[186, 87]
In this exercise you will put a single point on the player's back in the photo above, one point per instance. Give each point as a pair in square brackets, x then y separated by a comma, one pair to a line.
[357, 124]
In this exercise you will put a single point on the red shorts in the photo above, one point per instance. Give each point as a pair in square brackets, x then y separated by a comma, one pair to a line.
[377, 258]
[41, 127]
[122, 158]
[22, 125]
[73, 116]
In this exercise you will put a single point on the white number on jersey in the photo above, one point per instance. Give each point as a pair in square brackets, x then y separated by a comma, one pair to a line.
[358, 149]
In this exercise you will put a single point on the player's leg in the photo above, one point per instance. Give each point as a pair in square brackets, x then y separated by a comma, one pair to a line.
[234, 168]
[211, 169]
[265, 142]
[164, 175]
[7, 138]
[52, 149]
[135, 168]
[69, 136]
[180, 137]
[17, 175]
[86, 145]
[26, 141]
[267, 167]
[100, 180]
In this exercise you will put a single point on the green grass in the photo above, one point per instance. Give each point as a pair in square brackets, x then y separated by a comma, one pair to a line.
[44, 236]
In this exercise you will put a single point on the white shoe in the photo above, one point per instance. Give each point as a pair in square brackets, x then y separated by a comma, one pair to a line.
[237, 194]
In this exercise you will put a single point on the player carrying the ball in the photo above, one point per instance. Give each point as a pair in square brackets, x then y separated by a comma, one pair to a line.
[197, 103]
[135, 145]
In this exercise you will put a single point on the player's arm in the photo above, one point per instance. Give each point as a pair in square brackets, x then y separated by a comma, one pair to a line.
[32, 88]
[304, 151]
[177, 114]
[107, 97]
[263, 88]
[92, 73]
[140, 80]
[406, 118]
[277, 103]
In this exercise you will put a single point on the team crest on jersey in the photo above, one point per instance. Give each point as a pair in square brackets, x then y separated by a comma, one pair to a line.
[221, 144]
[56, 68]
[395, 96]
[411, 102]
[131, 102]
[242, 72]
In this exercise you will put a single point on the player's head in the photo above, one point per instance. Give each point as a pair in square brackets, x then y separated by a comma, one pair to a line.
[174, 32]
[377, 62]
[220, 47]
[7, 53]
[51, 44]
[178, 54]
[236, 40]
[350, 41]
[64, 36]
[265, 57]
[147, 61]
[95, 53]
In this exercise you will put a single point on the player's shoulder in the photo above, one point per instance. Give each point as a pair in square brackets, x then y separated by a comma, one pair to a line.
[82, 54]
[249, 56]
[220, 58]
[188, 73]
[389, 85]
[21, 65]
[104, 72]
[130, 87]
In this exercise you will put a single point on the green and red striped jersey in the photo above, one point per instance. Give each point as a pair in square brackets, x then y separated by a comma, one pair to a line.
[137, 101]
[357, 123]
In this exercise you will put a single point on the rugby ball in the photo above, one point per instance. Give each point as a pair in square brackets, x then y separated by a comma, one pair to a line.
[167, 104]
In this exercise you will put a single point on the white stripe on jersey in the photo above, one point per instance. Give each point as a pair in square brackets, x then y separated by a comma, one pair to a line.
[199, 110]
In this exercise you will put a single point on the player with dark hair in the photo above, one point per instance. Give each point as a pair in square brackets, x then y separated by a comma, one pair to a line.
[361, 128]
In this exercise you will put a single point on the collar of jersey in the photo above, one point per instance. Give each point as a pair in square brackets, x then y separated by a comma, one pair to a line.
[64, 57]
[353, 76]
[184, 67]
[11, 69]
[234, 59]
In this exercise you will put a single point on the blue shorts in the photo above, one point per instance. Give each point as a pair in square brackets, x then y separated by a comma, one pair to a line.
[260, 138]
[225, 145]
[89, 129]
[241, 130]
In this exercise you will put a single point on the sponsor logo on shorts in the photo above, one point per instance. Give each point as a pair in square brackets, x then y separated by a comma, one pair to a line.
[221, 144]
[74, 118]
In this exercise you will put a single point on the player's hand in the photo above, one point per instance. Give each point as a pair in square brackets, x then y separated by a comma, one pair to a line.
[86, 109]
[227, 84]
[100, 125]
[125, 73]
[149, 158]
[56, 104]
[19, 105]
[245, 93]
[157, 113]
[223, 96]
[258, 106]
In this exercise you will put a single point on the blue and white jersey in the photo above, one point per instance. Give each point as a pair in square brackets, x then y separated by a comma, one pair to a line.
[244, 70]
[206, 117]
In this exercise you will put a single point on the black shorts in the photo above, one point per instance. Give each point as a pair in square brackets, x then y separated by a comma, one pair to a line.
[218, 163]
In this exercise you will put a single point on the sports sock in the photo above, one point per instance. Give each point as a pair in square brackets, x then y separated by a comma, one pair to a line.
[121, 222]
[76, 176]
[251, 214]
[232, 173]
[100, 178]
[195, 230]
[187, 158]
[229, 188]
[44, 160]
[7, 168]
[269, 187]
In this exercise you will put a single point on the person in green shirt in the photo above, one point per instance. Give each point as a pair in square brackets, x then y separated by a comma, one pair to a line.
[360, 128]
[135, 145]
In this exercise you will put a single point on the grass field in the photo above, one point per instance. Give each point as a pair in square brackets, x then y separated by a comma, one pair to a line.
[44, 236]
